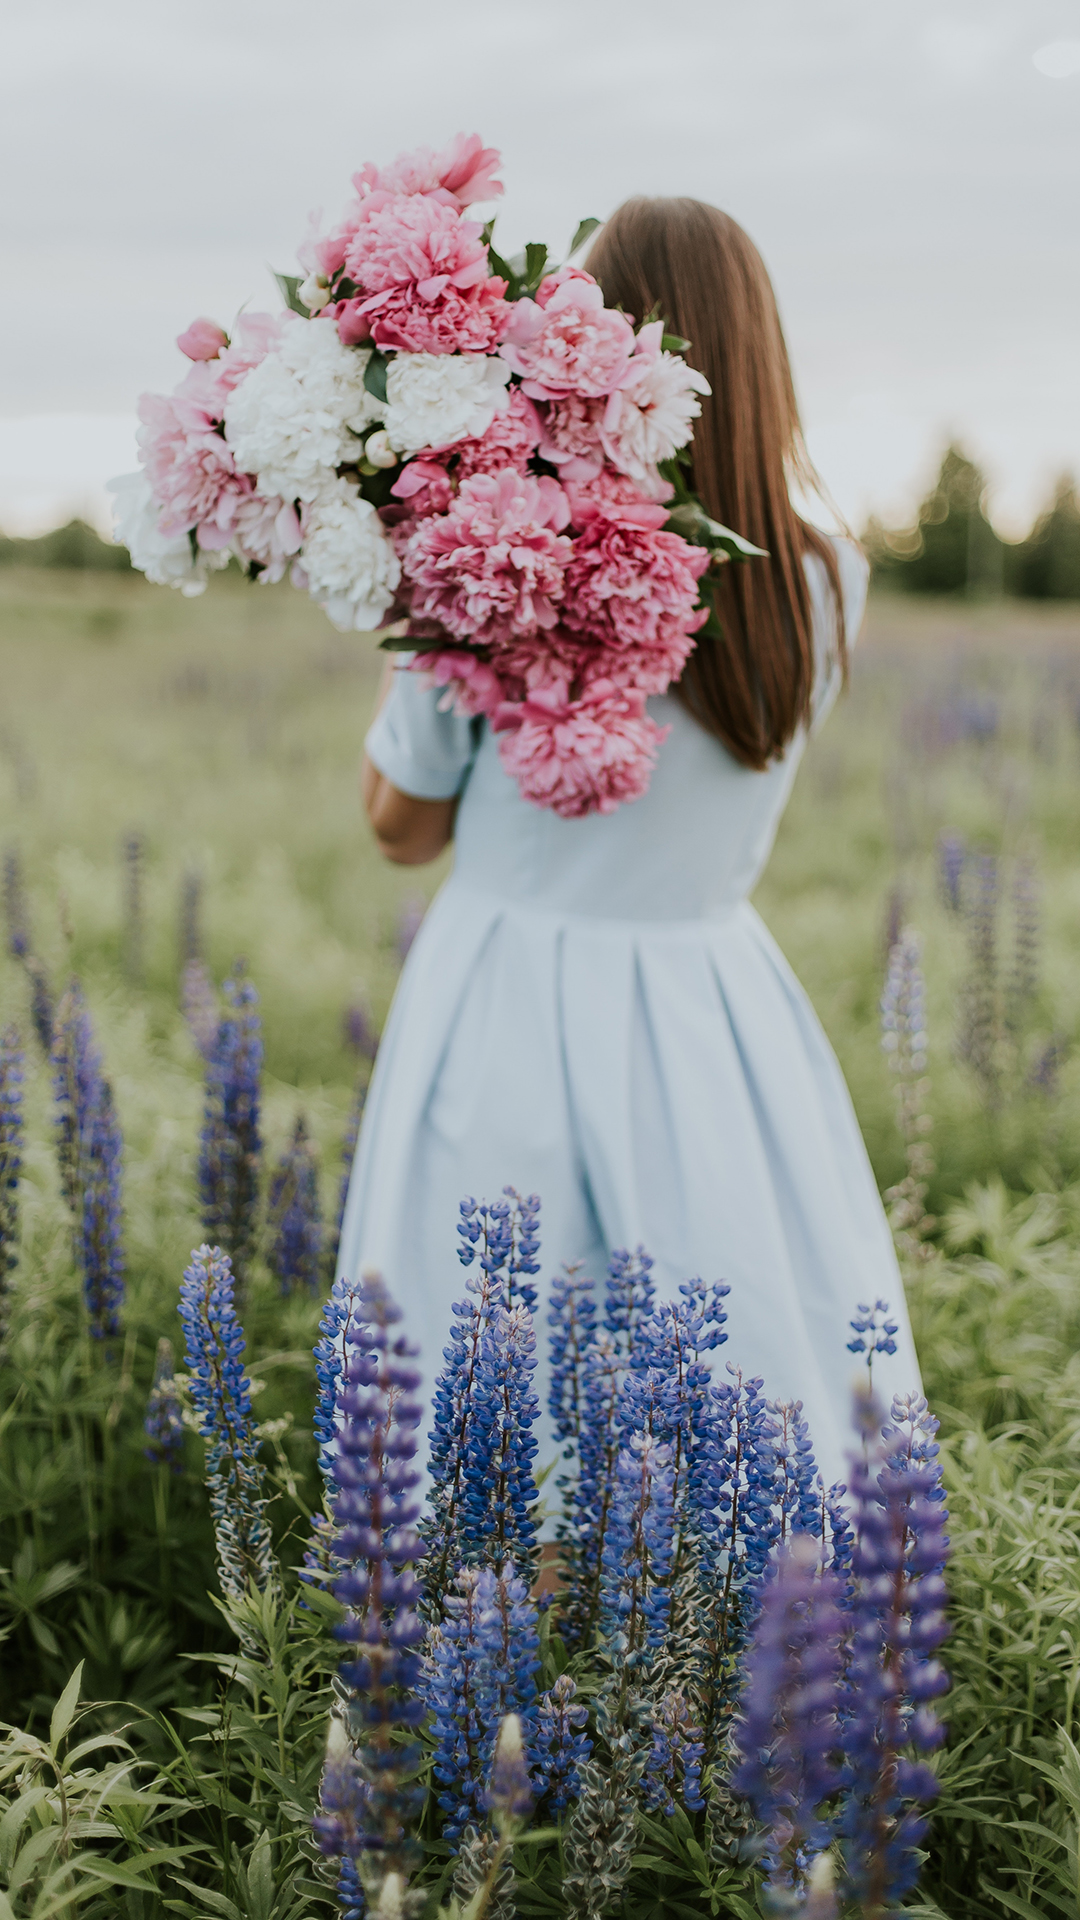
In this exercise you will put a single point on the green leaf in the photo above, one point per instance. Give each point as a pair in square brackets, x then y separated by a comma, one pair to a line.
[375, 375]
[582, 233]
[505, 271]
[289, 285]
[536, 260]
[215, 1901]
[673, 343]
[260, 1878]
[64, 1711]
[689, 518]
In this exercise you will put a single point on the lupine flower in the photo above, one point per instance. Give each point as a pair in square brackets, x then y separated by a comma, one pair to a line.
[368, 1798]
[189, 927]
[572, 1320]
[897, 1624]
[360, 1034]
[509, 1792]
[338, 1316]
[1046, 1067]
[894, 919]
[979, 1035]
[796, 1484]
[294, 1255]
[482, 1659]
[952, 856]
[199, 1005]
[42, 1005]
[675, 1757]
[164, 1424]
[874, 1333]
[410, 919]
[587, 1501]
[484, 1877]
[16, 917]
[221, 1394]
[637, 1554]
[89, 1149]
[562, 1748]
[1023, 981]
[504, 1237]
[348, 1155]
[231, 1147]
[630, 1295]
[133, 850]
[788, 1734]
[904, 1039]
[667, 1388]
[11, 1152]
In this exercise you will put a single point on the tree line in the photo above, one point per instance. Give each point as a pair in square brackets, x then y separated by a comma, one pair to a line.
[954, 549]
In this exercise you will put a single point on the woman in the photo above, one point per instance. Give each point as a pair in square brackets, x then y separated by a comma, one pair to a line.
[593, 1011]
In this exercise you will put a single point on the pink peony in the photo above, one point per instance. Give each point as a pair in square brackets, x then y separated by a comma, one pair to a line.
[404, 239]
[574, 344]
[464, 171]
[557, 279]
[210, 382]
[423, 487]
[611, 494]
[512, 436]
[492, 568]
[652, 414]
[189, 465]
[571, 438]
[472, 684]
[203, 340]
[582, 756]
[631, 584]
[447, 321]
[266, 534]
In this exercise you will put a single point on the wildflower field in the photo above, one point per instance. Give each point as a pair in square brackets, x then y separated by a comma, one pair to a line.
[177, 796]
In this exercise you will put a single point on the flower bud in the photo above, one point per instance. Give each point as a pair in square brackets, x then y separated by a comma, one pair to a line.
[314, 293]
[203, 340]
[378, 451]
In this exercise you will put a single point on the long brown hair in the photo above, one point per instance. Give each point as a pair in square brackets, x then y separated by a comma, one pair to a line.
[697, 267]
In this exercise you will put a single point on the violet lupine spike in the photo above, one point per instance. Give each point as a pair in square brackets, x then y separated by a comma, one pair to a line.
[230, 1149]
[294, 1253]
[897, 1623]
[572, 1320]
[562, 1745]
[16, 915]
[979, 1035]
[675, 1757]
[630, 1296]
[42, 1003]
[587, 1499]
[90, 1151]
[221, 1393]
[795, 1495]
[163, 1425]
[503, 1237]
[12, 1072]
[369, 1797]
[133, 852]
[635, 1597]
[410, 919]
[360, 1032]
[1023, 982]
[189, 926]
[788, 1732]
[952, 858]
[481, 1666]
[874, 1333]
[199, 1005]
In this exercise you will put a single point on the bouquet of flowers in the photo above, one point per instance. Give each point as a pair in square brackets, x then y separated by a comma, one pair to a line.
[476, 455]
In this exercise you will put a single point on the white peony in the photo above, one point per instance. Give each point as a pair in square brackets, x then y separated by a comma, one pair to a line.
[652, 416]
[166, 559]
[434, 399]
[347, 558]
[266, 533]
[289, 420]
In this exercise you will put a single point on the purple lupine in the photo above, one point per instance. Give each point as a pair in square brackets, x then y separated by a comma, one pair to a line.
[504, 1237]
[221, 1394]
[796, 1480]
[874, 1333]
[895, 908]
[635, 1595]
[562, 1745]
[978, 1037]
[294, 1252]
[230, 1147]
[788, 1731]
[675, 1756]
[1023, 981]
[1044, 1073]
[12, 1066]
[630, 1296]
[482, 1661]
[588, 1498]
[164, 1421]
[42, 1003]
[952, 858]
[16, 916]
[360, 1032]
[410, 919]
[572, 1320]
[897, 1623]
[903, 1005]
[199, 1005]
[90, 1151]
[133, 852]
[509, 1795]
[189, 921]
[368, 1796]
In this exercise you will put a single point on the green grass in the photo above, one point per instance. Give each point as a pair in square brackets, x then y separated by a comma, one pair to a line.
[227, 731]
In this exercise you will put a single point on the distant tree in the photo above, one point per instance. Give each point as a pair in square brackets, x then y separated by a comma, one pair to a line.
[952, 548]
[75, 545]
[1046, 566]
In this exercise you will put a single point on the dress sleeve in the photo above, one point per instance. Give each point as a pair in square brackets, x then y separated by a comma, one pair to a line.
[854, 578]
[420, 749]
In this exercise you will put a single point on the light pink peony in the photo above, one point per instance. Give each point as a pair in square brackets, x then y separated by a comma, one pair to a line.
[190, 467]
[424, 487]
[557, 279]
[571, 437]
[512, 436]
[609, 493]
[203, 340]
[582, 756]
[447, 321]
[473, 686]
[266, 534]
[574, 344]
[464, 171]
[633, 585]
[652, 414]
[406, 239]
[492, 568]
[210, 382]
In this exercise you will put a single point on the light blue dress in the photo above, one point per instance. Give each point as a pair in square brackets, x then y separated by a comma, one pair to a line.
[592, 1011]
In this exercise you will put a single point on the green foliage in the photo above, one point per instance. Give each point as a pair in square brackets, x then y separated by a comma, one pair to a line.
[1046, 566]
[952, 547]
[75, 545]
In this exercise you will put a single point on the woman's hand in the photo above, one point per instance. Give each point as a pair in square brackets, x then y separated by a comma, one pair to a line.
[407, 831]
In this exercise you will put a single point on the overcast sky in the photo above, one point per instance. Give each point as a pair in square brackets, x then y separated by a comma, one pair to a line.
[909, 169]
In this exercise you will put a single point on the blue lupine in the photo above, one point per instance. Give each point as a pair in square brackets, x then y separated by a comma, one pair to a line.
[221, 1394]
[338, 1315]
[89, 1150]
[587, 1501]
[42, 1005]
[504, 1237]
[635, 1598]
[572, 1320]
[874, 1332]
[231, 1147]
[952, 857]
[410, 919]
[361, 1034]
[788, 1732]
[667, 1389]
[562, 1747]
[509, 1798]
[675, 1756]
[368, 1797]
[164, 1423]
[796, 1496]
[482, 1660]
[11, 1152]
[199, 1005]
[189, 922]
[294, 1254]
[897, 1625]
[630, 1295]
[16, 918]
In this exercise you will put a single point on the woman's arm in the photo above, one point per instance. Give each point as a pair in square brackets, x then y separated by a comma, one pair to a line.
[407, 831]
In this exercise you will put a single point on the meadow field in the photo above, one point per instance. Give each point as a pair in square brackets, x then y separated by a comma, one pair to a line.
[221, 736]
